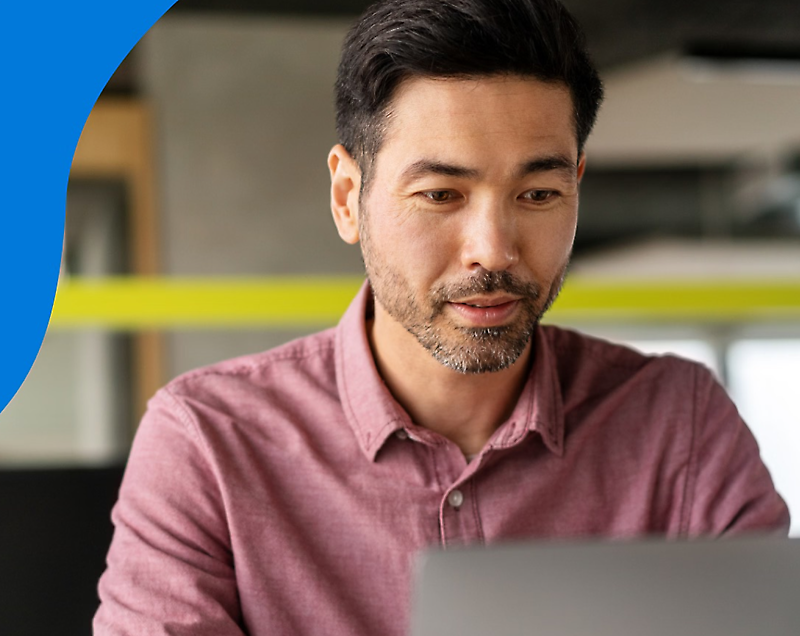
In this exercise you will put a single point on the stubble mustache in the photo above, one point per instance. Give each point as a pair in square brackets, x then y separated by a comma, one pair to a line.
[485, 282]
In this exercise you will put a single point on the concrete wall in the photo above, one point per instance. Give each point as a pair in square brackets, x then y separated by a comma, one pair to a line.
[244, 109]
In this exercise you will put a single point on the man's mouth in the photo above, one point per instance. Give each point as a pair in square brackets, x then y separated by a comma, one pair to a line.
[483, 302]
[486, 312]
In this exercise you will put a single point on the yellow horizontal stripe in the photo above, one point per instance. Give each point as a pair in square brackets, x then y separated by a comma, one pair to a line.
[722, 300]
[135, 303]
[144, 303]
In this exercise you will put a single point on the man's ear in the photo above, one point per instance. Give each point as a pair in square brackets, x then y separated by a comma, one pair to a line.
[345, 189]
[581, 166]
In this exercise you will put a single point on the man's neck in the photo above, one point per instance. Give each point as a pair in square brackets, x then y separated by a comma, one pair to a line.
[464, 408]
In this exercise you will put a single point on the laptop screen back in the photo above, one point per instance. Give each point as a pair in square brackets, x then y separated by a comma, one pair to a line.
[737, 587]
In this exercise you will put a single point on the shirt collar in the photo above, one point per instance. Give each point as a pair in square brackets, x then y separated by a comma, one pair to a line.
[540, 407]
[374, 414]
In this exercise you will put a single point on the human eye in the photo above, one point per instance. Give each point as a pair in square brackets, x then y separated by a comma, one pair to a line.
[540, 196]
[439, 196]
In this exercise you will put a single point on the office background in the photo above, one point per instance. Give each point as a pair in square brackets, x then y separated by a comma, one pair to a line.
[693, 182]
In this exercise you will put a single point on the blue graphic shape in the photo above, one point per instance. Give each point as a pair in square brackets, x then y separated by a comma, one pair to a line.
[56, 58]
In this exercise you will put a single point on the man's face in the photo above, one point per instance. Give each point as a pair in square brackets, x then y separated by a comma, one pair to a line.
[467, 224]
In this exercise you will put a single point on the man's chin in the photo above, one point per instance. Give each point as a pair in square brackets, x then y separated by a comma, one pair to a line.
[476, 365]
[482, 350]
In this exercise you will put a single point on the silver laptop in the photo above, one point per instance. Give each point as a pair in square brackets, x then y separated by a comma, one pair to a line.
[734, 587]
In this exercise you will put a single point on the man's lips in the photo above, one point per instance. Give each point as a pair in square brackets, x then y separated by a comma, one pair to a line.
[486, 312]
[486, 301]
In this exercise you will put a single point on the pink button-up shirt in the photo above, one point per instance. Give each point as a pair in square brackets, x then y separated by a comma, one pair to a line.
[287, 492]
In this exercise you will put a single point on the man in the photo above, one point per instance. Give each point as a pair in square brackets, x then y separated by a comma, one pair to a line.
[287, 492]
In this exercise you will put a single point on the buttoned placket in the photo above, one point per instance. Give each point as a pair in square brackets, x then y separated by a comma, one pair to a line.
[459, 516]
[459, 513]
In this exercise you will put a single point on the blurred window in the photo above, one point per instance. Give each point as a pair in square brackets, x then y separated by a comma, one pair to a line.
[764, 381]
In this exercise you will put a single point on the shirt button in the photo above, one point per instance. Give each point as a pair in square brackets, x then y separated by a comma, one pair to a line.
[401, 434]
[455, 498]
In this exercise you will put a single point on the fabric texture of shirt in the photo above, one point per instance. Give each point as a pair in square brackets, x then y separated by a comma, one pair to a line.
[287, 492]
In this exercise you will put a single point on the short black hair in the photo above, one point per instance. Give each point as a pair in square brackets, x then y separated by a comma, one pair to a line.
[397, 39]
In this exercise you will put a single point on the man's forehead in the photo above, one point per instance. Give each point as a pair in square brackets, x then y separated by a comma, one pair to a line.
[430, 107]
[453, 125]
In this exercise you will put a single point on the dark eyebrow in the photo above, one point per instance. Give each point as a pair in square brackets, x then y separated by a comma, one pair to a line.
[426, 166]
[423, 167]
[557, 163]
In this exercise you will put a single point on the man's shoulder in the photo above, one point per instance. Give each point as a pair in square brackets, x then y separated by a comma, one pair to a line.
[283, 368]
[651, 401]
[247, 411]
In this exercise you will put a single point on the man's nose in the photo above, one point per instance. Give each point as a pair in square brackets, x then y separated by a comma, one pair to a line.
[490, 238]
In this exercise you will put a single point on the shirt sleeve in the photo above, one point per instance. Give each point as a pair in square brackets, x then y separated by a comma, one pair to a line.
[729, 490]
[170, 567]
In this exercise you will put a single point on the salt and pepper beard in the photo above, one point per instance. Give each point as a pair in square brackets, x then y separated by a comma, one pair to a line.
[463, 349]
